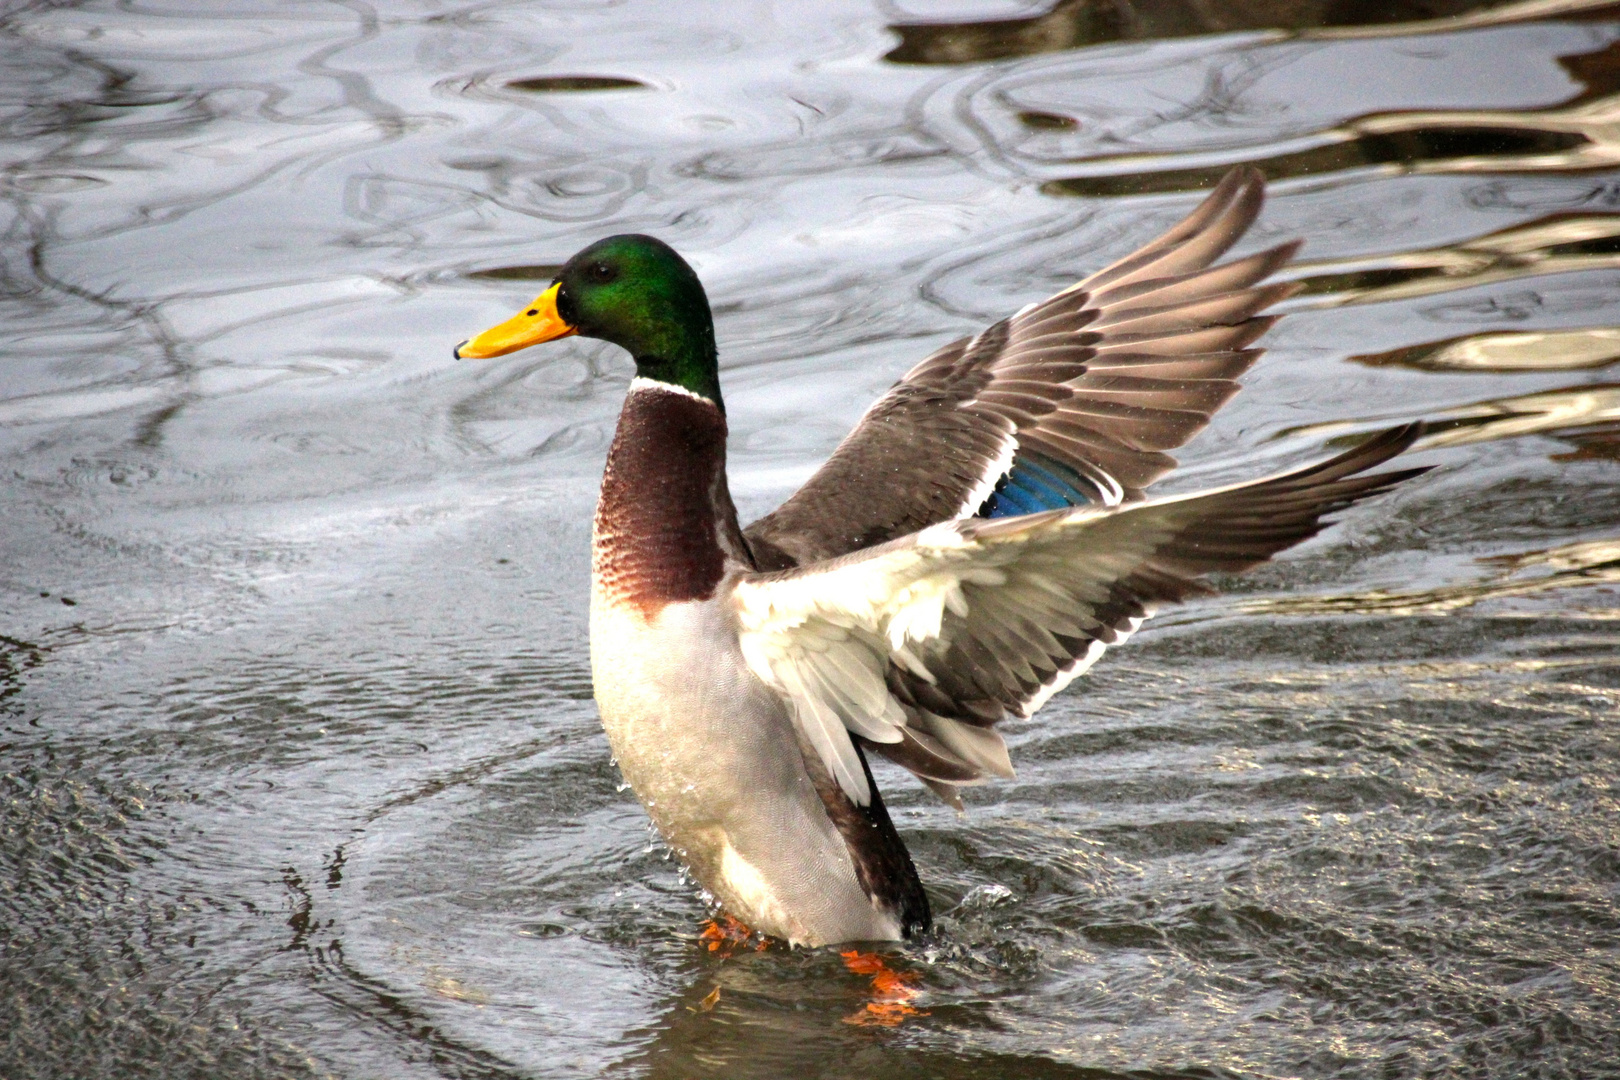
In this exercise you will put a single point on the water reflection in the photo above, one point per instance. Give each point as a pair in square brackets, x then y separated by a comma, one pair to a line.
[1583, 565]
[1581, 134]
[1586, 409]
[551, 84]
[1074, 24]
[1524, 350]
[1045, 121]
[1557, 244]
[1423, 143]
[539, 272]
[16, 657]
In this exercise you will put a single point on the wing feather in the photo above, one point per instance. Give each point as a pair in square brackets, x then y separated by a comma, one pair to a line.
[918, 646]
[1102, 378]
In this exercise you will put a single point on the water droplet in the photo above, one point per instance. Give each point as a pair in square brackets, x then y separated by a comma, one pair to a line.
[986, 896]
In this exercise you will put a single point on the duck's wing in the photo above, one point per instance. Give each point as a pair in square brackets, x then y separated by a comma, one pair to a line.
[1070, 402]
[917, 647]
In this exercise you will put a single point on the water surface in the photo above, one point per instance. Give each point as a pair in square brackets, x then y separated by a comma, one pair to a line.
[300, 773]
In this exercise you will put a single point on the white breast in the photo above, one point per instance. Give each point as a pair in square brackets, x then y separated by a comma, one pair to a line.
[711, 753]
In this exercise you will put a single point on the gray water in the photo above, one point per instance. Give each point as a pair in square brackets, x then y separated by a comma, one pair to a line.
[300, 773]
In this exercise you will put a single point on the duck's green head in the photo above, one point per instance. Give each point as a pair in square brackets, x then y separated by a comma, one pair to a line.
[634, 291]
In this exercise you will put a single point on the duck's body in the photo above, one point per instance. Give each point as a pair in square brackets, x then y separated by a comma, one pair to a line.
[709, 748]
[971, 547]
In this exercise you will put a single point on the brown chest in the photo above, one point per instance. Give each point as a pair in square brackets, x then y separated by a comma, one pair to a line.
[664, 512]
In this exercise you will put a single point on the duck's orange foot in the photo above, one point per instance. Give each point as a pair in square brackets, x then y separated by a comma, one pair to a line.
[892, 992]
[725, 935]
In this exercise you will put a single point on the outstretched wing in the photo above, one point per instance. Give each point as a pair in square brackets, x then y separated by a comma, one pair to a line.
[919, 645]
[1071, 402]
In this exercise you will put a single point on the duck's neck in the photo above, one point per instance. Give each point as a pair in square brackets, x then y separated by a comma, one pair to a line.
[665, 525]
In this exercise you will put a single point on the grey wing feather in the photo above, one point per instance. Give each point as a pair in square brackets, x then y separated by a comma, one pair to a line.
[1101, 378]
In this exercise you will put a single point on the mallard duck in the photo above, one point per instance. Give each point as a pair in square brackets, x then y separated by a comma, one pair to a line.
[973, 545]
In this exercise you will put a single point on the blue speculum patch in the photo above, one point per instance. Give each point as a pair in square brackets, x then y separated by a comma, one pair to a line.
[1035, 483]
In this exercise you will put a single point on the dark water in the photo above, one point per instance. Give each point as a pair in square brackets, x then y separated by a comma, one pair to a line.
[299, 769]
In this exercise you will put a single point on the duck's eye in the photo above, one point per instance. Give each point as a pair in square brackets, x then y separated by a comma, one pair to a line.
[601, 273]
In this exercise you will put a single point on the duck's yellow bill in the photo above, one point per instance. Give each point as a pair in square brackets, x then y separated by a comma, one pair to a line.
[538, 322]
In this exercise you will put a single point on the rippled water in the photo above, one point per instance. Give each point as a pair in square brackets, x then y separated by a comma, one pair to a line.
[299, 768]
